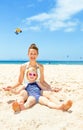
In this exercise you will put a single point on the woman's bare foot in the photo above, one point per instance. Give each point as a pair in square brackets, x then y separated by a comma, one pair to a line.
[67, 105]
[16, 106]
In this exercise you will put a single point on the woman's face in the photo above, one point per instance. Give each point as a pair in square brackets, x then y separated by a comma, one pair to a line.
[32, 54]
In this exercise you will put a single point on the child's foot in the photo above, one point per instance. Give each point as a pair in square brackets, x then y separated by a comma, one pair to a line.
[67, 106]
[16, 106]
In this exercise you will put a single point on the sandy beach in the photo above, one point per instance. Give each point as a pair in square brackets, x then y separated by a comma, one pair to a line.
[67, 77]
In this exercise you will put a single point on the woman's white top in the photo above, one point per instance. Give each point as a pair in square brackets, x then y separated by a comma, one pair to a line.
[26, 81]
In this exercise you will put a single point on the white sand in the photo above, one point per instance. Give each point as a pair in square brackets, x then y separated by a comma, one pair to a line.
[68, 77]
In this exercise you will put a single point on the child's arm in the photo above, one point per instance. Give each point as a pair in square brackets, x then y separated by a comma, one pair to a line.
[18, 90]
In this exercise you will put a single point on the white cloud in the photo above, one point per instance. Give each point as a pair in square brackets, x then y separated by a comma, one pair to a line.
[35, 28]
[61, 16]
[40, 17]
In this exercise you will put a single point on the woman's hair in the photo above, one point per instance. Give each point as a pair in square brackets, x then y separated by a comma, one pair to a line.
[33, 46]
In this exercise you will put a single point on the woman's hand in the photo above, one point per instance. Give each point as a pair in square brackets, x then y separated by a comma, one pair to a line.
[56, 89]
[8, 88]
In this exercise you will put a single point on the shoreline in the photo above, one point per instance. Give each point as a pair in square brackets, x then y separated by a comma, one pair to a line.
[45, 62]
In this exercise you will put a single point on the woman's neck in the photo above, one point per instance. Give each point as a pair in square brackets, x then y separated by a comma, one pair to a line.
[33, 63]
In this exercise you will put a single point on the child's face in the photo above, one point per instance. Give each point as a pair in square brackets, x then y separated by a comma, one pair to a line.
[32, 76]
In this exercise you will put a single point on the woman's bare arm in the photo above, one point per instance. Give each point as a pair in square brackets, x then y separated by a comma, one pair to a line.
[42, 80]
[20, 79]
[44, 83]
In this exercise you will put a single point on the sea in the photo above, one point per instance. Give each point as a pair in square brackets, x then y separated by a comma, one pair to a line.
[49, 62]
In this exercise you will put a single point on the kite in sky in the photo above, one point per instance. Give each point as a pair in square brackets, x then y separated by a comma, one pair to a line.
[18, 30]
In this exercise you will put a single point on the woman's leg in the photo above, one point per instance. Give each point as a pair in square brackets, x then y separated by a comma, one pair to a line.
[47, 102]
[46, 93]
[22, 97]
[50, 95]
[30, 102]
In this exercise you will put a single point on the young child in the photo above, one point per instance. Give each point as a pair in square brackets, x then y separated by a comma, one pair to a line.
[33, 90]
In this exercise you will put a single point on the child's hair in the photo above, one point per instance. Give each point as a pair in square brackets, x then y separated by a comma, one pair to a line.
[33, 46]
[32, 69]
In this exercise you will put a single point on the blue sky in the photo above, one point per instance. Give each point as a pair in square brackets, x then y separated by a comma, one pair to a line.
[56, 26]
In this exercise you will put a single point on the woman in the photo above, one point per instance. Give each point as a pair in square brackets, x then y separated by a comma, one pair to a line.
[47, 91]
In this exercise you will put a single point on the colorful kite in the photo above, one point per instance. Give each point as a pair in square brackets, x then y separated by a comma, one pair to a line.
[18, 30]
